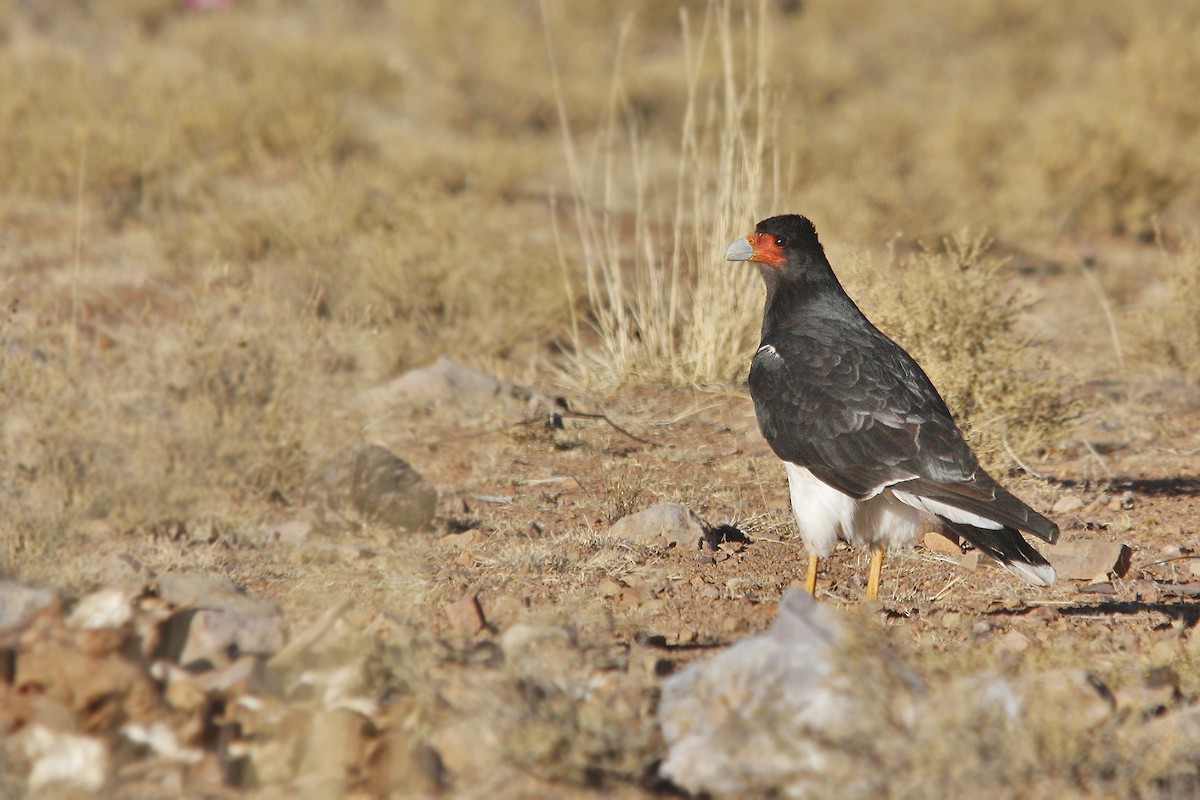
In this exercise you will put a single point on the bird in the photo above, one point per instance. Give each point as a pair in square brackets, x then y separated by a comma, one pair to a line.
[867, 441]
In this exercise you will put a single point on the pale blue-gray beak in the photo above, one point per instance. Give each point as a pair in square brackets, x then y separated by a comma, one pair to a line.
[739, 251]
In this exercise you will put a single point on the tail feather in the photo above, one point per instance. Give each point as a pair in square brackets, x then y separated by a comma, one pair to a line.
[1009, 547]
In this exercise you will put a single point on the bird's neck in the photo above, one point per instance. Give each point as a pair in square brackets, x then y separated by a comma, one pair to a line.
[791, 301]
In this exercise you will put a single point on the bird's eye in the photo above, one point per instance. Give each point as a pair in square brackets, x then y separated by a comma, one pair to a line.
[780, 242]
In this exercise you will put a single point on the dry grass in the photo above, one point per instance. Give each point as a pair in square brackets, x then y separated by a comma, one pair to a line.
[1166, 327]
[665, 305]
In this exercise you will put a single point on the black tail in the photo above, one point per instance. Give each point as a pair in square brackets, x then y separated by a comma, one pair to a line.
[1009, 548]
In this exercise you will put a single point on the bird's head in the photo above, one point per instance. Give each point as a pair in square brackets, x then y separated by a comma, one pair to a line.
[786, 243]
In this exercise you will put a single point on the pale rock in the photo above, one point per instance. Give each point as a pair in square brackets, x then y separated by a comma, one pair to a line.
[217, 636]
[218, 622]
[107, 608]
[522, 639]
[1085, 559]
[777, 713]
[195, 590]
[64, 759]
[609, 587]
[663, 525]
[20, 601]
[1067, 504]
[162, 739]
[970, 561]
[445, 380]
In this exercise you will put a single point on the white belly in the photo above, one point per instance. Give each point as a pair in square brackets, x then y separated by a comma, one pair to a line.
[825, 515]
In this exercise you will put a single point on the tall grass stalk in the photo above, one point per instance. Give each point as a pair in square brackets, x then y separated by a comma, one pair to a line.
[664, 304]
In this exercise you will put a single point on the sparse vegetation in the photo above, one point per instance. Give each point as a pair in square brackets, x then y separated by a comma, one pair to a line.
[218, 229]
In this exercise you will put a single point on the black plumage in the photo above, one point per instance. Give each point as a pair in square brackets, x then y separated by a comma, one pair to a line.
[835, 396]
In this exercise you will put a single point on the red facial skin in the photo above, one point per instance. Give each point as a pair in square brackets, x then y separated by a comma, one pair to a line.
[766, 251]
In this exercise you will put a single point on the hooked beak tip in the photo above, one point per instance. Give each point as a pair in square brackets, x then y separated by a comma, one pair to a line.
[739, 251]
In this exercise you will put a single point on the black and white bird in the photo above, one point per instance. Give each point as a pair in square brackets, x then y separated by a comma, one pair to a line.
[867, 441]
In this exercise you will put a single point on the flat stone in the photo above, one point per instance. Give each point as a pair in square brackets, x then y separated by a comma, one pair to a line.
[20, 601]
[369, 484]
[663, 525]
[196, 590]
[1086, 559]
[107, 608]
[1067, 504]
[218, 621]
[447, 380]
[941, 543]
[64, 761]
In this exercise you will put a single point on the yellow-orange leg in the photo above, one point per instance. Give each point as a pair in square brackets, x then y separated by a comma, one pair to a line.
[810, 583]
[876, 575]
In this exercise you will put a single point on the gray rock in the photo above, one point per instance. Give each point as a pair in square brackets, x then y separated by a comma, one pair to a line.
[127, 572]
[195, 590]
[218, 622]
[20, 601]
[1067, 504]
[217, 636]
[816, 698]
[663, 525]
[1089, 559]
[447, 380]
[369, 484]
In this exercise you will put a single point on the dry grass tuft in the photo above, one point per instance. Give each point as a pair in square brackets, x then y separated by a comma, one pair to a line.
[187, 423]
[663, 303]
[1167, 333]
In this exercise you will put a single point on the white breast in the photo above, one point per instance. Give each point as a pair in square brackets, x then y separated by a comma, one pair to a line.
[825, 515]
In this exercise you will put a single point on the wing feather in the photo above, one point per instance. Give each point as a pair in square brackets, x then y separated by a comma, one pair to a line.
[844, 401]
